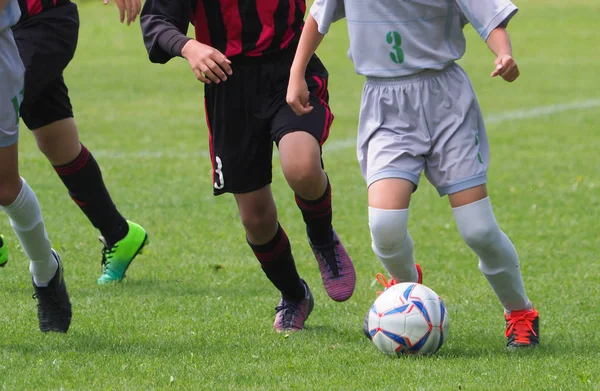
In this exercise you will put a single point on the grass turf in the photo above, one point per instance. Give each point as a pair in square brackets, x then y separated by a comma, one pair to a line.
[196, 311]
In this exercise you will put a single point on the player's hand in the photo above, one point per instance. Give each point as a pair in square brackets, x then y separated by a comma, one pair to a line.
[297, 95]
[209, 64]
[506, 67]
[131, 7]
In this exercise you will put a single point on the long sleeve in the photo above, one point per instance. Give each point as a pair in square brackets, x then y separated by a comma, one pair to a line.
[164, 28]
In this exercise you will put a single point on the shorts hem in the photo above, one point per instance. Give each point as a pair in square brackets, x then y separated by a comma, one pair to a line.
[236, 191]
[284, 131]
[389, 174]
[8, 141]
[36, 124]
[462, 185]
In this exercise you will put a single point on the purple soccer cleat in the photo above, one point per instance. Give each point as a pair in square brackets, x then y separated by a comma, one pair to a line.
[291, 316]
[337, 269]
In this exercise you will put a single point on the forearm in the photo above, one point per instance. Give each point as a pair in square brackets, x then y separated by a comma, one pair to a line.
[309, 42]
[172, 41]
[499, 42]
[164, 26]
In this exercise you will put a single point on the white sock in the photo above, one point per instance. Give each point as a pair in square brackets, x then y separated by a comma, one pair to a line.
[392, 243]
[27, 222]
[498, 260]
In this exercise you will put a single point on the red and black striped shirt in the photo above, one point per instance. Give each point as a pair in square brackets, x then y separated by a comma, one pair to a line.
[248, 27]
[34, 7]
[234, 27]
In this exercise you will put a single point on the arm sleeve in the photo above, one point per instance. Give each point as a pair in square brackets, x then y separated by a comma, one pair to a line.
[164, 28]
[326, 12]
[487, 15]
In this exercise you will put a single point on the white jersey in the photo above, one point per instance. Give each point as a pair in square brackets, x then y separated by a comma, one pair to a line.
[393, 38]
[10, 15]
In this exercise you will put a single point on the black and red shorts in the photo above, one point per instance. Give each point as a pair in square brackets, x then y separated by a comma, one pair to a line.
[47, 43]
[248, 113]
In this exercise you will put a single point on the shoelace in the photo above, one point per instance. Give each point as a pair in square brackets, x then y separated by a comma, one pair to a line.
[328, 253]
[107, 253]
[384, 281]
[521, 325]
[47, 302]
[288, 313]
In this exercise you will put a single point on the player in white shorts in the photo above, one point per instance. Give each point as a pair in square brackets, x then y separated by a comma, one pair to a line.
[419, 112]
[16, 197]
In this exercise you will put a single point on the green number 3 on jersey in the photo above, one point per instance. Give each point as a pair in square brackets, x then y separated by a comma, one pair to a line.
[393, 38]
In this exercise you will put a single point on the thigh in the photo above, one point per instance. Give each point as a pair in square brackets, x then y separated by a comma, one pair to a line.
[318, 122]
[11, 89]
[460, 155]
[47, 43]
[391, 193]
[240, 145]
[392, 141]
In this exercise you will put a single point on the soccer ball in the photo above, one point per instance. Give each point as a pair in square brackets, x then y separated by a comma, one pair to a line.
[408, 318]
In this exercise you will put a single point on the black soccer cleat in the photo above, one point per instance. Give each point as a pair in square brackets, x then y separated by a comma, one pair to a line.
[54, 306]
[522, 328]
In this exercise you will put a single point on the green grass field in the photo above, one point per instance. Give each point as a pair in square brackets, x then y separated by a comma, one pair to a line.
[196, 311]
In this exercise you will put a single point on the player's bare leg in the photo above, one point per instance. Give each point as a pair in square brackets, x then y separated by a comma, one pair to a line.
[10, 180]
[59, 141]
[498, 261]
[258, 214]
[80, 173]
[272, 248]
[22, 207]
[467, 196]
[300, 156]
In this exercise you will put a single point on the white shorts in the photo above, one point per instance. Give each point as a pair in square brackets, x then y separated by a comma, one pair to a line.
[430, 121]
[11, 88]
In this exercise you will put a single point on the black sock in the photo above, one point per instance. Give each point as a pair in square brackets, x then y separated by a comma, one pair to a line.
[317, 215]
[83, 179]
[278, 264]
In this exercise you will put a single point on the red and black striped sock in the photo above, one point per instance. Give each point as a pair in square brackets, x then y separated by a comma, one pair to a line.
[278, 264]
[317, 215]
[83, 179]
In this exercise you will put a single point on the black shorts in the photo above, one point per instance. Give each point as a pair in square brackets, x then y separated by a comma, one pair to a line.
[47, 43]
[248, 112]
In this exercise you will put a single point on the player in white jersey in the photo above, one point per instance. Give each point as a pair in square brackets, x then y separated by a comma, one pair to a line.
[419, 112]
[16, 197]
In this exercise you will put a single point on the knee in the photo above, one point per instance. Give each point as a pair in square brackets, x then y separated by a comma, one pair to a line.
[480, 235]
[59, 141]
[57, 152]
[305, 180]
[259, 219]
[389, 228]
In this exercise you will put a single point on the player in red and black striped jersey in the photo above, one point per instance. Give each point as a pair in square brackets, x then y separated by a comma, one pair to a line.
[46, 36]
[243, 52]
[34, 7]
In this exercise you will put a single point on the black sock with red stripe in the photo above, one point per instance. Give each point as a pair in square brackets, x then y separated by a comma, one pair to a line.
[278, 264]
[83, 179]
[317, 215]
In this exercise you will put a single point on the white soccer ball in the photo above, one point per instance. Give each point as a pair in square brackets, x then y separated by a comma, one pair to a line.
[408, 318]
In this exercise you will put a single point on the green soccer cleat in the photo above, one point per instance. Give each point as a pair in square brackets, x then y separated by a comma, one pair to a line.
[116, 259]
[3, 252]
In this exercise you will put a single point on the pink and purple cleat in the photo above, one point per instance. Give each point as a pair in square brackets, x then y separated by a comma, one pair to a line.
[337, 269]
